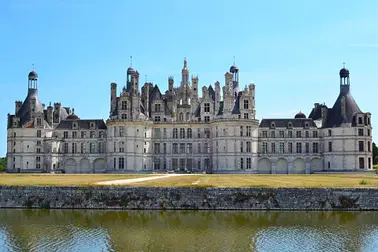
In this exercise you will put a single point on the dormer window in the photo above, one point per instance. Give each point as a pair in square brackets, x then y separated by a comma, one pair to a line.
[92, 125]
[290, 125]
[306, 125]
[359, 120]
[74, 125]
[272, 125]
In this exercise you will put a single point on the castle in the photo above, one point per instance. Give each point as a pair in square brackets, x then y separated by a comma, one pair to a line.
[178, 130]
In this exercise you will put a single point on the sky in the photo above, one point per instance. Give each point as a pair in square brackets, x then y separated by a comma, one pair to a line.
[292, 50]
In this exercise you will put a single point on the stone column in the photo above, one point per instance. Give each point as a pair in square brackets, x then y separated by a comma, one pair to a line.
[290, 167]
[274, 171]
[308, 167]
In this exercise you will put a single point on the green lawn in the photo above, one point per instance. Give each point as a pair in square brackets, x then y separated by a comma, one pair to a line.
[274, 181]
[62, 179]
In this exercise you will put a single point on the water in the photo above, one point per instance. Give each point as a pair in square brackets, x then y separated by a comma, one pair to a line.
[95, 230]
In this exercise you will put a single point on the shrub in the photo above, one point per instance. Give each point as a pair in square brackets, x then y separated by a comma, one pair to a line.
[363, 182]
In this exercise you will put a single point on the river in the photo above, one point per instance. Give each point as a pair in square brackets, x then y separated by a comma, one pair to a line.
[98, 230]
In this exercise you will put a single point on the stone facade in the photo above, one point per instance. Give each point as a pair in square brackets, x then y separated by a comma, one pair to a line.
[179, 130]
[189, 198]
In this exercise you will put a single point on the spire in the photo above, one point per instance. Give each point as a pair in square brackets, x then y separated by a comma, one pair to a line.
[185, 63]
[131, 61]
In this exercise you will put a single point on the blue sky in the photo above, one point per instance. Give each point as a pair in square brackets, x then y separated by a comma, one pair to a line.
[292, 50]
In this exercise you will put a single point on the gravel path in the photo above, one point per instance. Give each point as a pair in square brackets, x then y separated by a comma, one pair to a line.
[136, 180]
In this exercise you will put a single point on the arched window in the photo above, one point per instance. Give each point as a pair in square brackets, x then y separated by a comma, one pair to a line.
[189, 133]
[182, 133]
[187, 116]
[181, 117]
[175, 133]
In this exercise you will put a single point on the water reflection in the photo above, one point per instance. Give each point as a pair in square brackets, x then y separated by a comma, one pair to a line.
[95, 230]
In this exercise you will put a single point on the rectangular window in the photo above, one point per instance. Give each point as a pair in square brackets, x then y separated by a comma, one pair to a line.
[74, 134]
[74, 148]
[273, 134]
[299, 134]
[156, 148]
[124, 105]
[165, 133]
[65, 148]
[249, 130]
[207, 118]
[241, 147]
[39, 133]
[245, 115]
[362, 162]
[122, 147]
[157, 133]
[265, 147]
[265, 134]
[249, 163]
[175, 148]
[282, 147]
[369, 163]
[207, 133]
[369, 147]
[315, 134]
[182, 148]
[92, 134]
[329, 146]
[315, 148]
[157, 119]
[92, 148]
[368, 132]
[241, 163]
[248, 146]
[157, 107]
[164, 148]
[360, 132]
[206, 148]
[82, 148]
[282, 134]
[198, 133]
[299, 147]
[207, 107]
[246, 104]
[65, 134]
[115, 163]
[190, 148]
[121, 163]
[290, 134]
[273, 147]
[307, 134]
[241, 130]
[307, 147]
[360, 145]
[83, 134]
[329, 132]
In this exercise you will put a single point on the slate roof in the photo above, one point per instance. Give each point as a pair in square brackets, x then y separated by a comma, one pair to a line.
[236, 108]
[283, 123]
[25, 112]
[211, 92]
[221, 105]
[83, 124]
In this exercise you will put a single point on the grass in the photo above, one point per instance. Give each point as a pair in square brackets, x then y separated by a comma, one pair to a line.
[199, 181]
[62, 179]
[375, 166]
[273, 181]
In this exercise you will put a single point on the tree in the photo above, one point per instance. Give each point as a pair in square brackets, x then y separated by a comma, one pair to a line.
[3, 164]
[375, 153]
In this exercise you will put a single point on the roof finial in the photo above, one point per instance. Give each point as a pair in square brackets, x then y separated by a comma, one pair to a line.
[73, 111]
[131, 61]
[234, 60]
[33, 66]
[146, 77]
[343, 64]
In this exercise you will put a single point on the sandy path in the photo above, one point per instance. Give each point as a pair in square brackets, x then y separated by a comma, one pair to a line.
[136, 180]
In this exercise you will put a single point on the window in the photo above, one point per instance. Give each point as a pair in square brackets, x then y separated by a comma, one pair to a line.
[369, 147]
[282, 134]
[38, 143]
[182, 133]
[207, 133]
[359, 120]
[245, 115]
[83, 134]
[124, 116]
[157, 119]
[329, 146]
[38, 150]
[14, 134]
[101, 134]
[121, 163]
[165, 133]
[290, 134]
[92, 148]
[157, 164]
[122, 147]
[39, 122]
[182, 148]
[65, 148]
[241, 147]
[199, 148]
[156, 148]
[164, 148]
[329, 132]
[114, 163]
[190, 148]
[360, 145]
[249, 163]
[157, 133]
[121, 131]
[124, 105]
[307, 147]
[175, 133]
[249, 130]
[248, 146]
[362, 162]
[241, 130]
[92, 134]
[181, 117]
[207, 107]
[315, 134]
[290, 147]
[273, 147]
[74, 148]
[157, 107]
[282, 147]
[264, 134]
[306, 125]
[38, 162]
[299, 147]
[307, 134]
[207, 118]
[360, 132]
[115, 147]
[246, 104]
[198, 133]
[82, 148]
[265, 147]
[272, 134]
[189, 133]
[206, 148]
[74, 134]
[241, 163]
[315, 147]
[368, 132]
[175, 148]
[115, 132]
[65, 134]
[299, 134]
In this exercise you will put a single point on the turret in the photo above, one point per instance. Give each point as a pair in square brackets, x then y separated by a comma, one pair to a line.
[49, 114]
[344, 80]
[56, 113]
[185, 73]
[170, 83]
[195, 87]
[217, 96]
[113, 98]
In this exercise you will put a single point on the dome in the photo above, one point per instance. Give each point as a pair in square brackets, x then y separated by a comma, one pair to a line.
[344, 73]
[300, 115]
[234, 68]
[33, 75]
[130, 70]
[72, 117]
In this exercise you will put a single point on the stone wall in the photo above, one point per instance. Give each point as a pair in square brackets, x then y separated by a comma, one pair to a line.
[189, 198]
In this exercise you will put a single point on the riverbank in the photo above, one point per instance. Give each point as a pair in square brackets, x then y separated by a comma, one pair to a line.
[178, 198]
